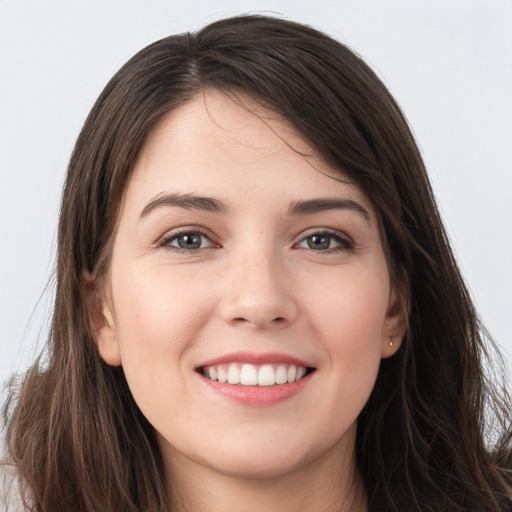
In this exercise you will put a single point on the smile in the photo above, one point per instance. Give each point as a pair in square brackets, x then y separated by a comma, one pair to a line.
[246, 374]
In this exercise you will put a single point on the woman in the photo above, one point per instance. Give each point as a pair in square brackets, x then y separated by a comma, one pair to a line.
[257, 306]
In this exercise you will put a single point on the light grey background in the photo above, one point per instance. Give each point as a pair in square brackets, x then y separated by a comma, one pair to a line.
[449, 64]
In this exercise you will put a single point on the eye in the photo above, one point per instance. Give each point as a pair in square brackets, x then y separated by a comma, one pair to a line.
[325, 241]
[187, 241]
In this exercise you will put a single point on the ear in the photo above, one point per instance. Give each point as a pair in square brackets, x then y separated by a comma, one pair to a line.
[102, 321]
[395, 324]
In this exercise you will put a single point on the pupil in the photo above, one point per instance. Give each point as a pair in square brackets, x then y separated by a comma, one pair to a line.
[189, 241]
[319, 242]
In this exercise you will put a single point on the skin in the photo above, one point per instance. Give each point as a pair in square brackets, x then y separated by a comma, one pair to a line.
[254, 284]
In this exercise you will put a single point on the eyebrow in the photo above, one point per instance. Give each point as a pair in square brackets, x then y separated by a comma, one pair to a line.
[312, 206]
[210, 204]
[186, 201]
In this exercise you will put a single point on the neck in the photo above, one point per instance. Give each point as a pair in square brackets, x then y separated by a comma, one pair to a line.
[328, 484]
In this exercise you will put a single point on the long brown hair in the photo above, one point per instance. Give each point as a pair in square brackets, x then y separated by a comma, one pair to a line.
[75, 436]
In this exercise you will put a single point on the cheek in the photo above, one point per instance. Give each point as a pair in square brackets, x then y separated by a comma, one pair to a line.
[152, 302]
[156, 319]
[351, 309]
[349, 319]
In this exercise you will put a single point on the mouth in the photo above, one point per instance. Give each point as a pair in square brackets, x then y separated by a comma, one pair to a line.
[261, 375]
[256, 379]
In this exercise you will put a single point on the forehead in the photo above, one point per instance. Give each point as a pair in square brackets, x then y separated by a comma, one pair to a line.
[216, 145]
[217, 118]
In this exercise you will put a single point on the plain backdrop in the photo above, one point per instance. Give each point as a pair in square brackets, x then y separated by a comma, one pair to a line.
[448, 63]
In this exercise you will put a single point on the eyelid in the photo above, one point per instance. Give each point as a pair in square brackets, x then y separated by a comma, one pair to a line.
[346, 242]
[164, 240]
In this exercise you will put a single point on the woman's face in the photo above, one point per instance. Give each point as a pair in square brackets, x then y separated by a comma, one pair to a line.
[236, 260]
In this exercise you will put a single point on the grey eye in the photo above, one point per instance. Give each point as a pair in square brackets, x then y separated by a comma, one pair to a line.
[325, 241]
[319, 242]
[189, 241]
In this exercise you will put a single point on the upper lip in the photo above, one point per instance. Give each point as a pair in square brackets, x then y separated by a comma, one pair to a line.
[255, 358]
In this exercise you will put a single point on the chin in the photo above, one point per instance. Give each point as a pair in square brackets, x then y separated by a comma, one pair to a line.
[261, 468]
[263, 458]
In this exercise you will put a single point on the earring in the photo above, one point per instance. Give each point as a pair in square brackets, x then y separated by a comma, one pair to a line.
[391, 341]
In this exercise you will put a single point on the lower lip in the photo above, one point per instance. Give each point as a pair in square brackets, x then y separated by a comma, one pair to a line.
[257, 396]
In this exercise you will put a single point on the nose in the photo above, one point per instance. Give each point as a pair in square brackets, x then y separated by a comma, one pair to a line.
[258, 293]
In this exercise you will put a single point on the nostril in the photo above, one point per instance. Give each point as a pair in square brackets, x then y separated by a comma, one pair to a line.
[258, 320]
[240, 320]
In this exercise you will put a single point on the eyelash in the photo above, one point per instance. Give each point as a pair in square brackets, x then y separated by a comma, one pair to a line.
[166, 241]
[345, 243]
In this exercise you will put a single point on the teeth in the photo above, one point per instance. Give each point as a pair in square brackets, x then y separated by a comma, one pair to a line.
[248, 375]
[254, 375]
[222, 375]
[266, 376]
[233, 374]
[281, 375]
